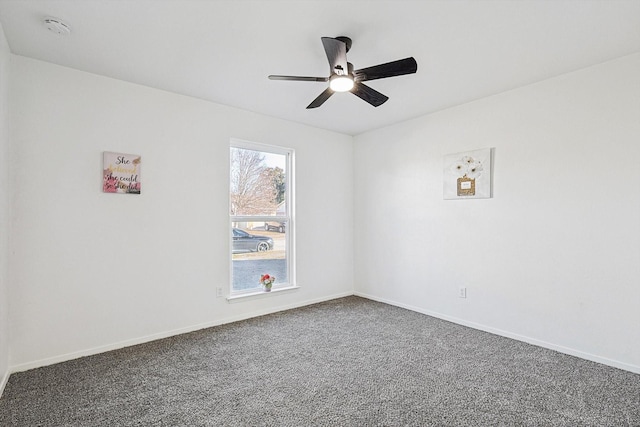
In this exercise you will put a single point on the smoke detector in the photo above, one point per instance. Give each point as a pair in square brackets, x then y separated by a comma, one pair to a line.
[57, 26]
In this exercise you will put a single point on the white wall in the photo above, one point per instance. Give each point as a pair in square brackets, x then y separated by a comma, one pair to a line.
[554, 257]
[4, 210]
[92, 271]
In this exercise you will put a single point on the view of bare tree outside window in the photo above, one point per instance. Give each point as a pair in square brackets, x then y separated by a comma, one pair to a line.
[256, 187]
[259, 217]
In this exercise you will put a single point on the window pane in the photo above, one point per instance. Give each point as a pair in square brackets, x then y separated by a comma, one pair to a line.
[260, 216]
[257, 183]
[258, 248]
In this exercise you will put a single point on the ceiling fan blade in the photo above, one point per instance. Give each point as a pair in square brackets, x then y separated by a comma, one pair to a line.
[321, 98]
[390, 69]
[372, 96]
[299, 78]
[336, 51]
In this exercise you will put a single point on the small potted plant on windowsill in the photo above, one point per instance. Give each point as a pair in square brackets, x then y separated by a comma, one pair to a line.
[267, 282]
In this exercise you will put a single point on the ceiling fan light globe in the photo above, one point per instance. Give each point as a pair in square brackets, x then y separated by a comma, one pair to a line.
[341, 83]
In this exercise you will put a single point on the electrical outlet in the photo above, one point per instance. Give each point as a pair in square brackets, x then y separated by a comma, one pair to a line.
[462, 292]
[219, 292]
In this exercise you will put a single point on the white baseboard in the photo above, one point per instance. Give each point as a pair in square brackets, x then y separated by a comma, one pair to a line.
[141, 340]
[507, 334]
[3, 382]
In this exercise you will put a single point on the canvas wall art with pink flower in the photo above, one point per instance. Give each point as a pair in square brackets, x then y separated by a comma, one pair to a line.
[121, 173]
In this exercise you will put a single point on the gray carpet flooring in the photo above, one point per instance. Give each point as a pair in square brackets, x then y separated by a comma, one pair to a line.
[346, 362]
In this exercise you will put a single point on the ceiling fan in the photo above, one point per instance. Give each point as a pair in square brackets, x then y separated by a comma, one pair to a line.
[343, 78]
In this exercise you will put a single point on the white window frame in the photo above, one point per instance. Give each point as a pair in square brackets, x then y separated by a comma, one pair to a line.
[288, 217]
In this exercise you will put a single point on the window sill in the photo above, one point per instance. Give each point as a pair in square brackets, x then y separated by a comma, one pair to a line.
[259, 294]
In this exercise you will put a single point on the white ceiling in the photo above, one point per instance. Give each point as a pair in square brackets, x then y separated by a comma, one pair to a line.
[223, 50]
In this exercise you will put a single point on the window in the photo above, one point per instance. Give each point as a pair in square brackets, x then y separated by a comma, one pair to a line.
[260, 208]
